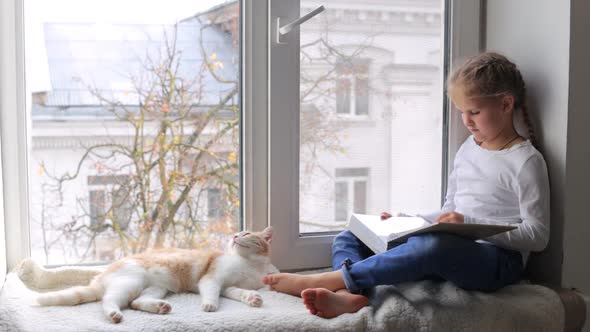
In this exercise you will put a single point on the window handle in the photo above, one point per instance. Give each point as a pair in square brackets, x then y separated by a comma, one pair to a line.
[285, 29]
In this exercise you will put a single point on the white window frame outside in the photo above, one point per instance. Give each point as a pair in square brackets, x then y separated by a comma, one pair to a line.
[352, 79]
[350, 183]
[270, 108]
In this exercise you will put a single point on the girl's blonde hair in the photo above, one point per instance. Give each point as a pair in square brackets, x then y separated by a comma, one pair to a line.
[491, 74]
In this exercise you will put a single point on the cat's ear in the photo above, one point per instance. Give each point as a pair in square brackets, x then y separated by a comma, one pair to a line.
[267, 234]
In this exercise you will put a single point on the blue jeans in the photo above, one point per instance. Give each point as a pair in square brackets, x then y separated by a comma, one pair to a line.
[468, 264]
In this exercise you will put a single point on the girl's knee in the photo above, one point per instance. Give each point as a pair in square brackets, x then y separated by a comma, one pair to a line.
[344, 237]
[346, 241]
[433, 243]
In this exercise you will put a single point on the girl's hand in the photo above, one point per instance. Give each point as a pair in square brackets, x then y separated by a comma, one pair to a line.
[385, 215]
[451, 218]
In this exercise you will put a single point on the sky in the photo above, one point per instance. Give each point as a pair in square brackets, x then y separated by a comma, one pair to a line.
[38, 12]
[115, 11]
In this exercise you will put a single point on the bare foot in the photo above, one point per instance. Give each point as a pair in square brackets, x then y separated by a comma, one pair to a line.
[327, 304]
[294, 284]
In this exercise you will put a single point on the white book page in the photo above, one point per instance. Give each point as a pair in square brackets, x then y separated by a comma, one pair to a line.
[393, 226]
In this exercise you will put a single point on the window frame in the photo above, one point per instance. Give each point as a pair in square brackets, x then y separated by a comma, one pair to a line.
[254, 103]
[465, 37]
[269, 171]
[290, 250]
[14, 129]
[350, 182]
[295, 251]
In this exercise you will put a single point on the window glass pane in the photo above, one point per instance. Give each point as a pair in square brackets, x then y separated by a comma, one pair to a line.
[343, 95]
[122, 204]
[371, 99]
[361, 106]
[214, 202]
[135, 113]
[341, 199]
[360, 196]
[97, 202]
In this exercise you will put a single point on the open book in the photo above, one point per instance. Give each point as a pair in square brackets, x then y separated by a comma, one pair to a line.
[382, 235]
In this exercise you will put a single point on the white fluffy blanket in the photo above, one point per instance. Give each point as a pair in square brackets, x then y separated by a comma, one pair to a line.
[419, 306]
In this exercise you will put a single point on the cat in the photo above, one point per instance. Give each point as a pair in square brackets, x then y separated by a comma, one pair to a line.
[142, 281]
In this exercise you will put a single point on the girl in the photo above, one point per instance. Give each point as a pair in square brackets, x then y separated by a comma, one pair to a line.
[498, 178]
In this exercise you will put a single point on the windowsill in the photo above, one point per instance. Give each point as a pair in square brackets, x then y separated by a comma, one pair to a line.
[395, 308]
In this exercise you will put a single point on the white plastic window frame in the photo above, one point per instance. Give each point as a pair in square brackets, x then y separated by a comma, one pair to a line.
[467, 37]
[270, 108]
[292, 250]
[13, 129]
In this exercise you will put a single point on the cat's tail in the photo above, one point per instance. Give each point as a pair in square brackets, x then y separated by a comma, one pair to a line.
[39, 278]
[73, 296]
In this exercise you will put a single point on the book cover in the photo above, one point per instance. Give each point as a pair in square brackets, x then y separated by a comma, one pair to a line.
[382, 235]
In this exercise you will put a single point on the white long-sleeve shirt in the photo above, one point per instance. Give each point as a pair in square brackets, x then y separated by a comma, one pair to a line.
[506, 187]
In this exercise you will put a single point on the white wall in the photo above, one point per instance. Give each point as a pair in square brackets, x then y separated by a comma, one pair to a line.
[2, 233]
[548, 46]
[577, 184]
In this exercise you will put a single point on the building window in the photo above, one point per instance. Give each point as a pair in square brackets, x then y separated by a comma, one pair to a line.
[97, 202]
[108, 199]
[350, 192]
[214, 203]
[352, 87]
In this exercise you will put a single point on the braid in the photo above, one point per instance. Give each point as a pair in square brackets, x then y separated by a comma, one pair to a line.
[528, 123]
[521, 103]
[492, 74]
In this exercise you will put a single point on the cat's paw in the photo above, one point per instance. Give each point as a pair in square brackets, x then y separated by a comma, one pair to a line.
[162, 307]
[254, 299]
[116, 317]
[208, 307]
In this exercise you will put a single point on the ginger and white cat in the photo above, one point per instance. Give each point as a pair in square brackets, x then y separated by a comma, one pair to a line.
[141, 281]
